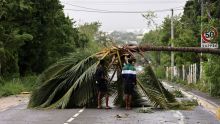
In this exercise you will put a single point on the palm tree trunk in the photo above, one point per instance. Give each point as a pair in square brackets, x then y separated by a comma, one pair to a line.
[145, 48]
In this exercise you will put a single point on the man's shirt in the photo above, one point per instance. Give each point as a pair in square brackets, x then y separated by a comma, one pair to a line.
[129, 74]
[100, 74]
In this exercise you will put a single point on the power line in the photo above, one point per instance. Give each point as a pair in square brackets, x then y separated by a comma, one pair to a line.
[127, 2]
[111, 11]
[83, 7]
[127, 12]
[74, 5]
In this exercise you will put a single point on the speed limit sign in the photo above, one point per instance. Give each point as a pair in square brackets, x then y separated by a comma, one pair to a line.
[209, 38]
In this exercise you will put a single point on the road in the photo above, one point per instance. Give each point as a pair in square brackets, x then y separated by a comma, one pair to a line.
[20, 115]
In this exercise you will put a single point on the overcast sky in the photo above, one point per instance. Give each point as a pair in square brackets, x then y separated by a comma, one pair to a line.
[120, 21]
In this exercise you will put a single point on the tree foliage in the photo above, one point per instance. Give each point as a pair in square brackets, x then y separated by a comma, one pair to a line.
[35, 34]
[187, 30]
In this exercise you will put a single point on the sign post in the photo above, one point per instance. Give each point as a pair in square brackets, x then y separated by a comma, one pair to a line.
[209, 38]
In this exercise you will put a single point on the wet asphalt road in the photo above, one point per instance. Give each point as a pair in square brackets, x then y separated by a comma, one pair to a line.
[21, 115]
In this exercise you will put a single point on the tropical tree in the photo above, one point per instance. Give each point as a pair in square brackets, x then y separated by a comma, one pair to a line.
[70, 82]
[33, 34]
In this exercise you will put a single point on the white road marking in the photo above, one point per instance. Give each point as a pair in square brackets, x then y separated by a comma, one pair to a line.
[181, 121]
[80, 111]
[70, 120]
[74, 116]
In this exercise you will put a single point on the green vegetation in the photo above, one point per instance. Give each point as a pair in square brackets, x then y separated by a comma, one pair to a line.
[201, 86]
[145, 110]
[35, 34]
[177, 93]
[150, 80]
[159, 71]
[11, 88]
[32, 32]
[184, 105]
[16, 86]
[187, 29]
[212, 71]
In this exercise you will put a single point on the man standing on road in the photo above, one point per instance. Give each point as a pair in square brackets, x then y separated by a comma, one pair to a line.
[102, 83]
[129, 80]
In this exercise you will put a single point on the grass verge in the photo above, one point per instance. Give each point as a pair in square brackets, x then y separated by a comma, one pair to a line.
[17, 85]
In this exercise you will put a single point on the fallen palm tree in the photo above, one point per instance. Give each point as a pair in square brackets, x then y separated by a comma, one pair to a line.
[70, 82]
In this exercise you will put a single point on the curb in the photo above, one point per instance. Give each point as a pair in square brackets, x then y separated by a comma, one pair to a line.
[207, 104]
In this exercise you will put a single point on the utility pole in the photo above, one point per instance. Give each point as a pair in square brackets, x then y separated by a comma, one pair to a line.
[172, 45]
[202, 12]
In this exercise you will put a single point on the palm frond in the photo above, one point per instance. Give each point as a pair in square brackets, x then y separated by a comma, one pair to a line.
[61, 66]
[53, 81]
[156, 98]
[118, 100]
[85, 79]
[68, 81]
[150, 79]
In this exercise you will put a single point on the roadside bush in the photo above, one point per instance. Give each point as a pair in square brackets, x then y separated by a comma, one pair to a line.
[160, 72]
[17, 85]
[179, 81]
[1, 81]
[29, 82]
[203, 86]
[212, 73]
[11, 88]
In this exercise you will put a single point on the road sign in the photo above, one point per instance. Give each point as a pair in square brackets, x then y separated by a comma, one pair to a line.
[209, 38]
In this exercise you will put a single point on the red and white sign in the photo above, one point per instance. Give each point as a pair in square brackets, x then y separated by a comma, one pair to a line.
[208, 38]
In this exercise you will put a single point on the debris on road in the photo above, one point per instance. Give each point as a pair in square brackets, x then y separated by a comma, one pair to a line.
[118, 116]
[145, 110]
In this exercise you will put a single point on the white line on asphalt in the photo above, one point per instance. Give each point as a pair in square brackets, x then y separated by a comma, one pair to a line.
[181, 117]
[80, 111]
[74, 116]
[70, 120]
